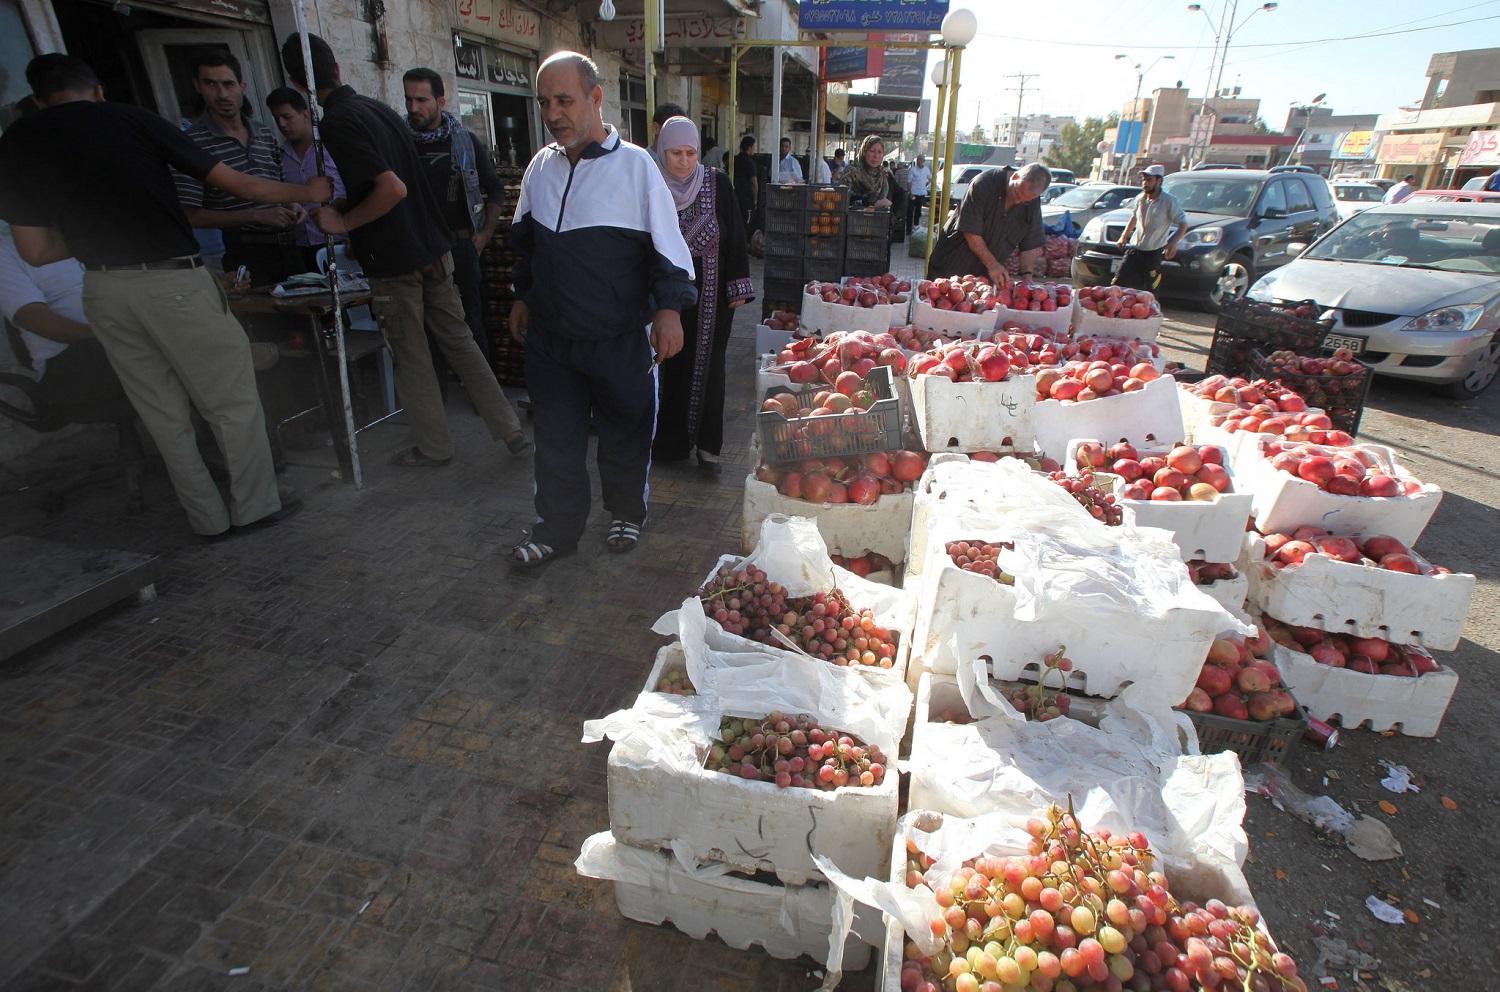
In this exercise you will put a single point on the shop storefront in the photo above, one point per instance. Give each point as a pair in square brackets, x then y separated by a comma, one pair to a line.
[495, 97]
[1480, 157]
[1419, 154]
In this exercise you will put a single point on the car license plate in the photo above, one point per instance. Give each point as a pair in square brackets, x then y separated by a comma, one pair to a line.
[1354, 344]
[1114, 264]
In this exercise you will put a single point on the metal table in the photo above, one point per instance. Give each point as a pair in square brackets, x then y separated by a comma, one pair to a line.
[47, 587]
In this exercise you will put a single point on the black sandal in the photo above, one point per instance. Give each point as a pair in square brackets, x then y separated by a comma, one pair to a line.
[413, 458]
[532, 554]
[623, 536]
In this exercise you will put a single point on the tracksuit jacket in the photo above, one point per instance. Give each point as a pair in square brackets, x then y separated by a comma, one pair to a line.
[597, 252]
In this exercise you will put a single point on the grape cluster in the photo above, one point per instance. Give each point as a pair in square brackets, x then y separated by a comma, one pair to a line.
[676, 684]
[1037, 702]
[1101, 505]
[1083, 912]
[794, 752]
[981, 557]
[744, 601]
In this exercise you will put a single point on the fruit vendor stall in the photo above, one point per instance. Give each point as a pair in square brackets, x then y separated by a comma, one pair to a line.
[1014, 606]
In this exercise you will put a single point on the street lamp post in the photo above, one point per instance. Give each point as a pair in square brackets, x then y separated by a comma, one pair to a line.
[1307, 115]
[1135, 108]
[1223, 32]
[959, 28]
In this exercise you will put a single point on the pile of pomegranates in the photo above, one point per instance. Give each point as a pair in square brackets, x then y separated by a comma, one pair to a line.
[865, 564]
[865, 292]
[783, 320]
[969, 361]
[861, 479]
[1045, 297]
[1193, 472]
[1379, 551]
[961, 294]
[1078, 381]
[1123, 304]
[916, 338]
[1368, 655]
[1310, 426]
[1237, 682]
[808, 360]
[1352, 471]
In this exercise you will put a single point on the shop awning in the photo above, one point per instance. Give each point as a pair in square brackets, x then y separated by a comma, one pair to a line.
[891, 104]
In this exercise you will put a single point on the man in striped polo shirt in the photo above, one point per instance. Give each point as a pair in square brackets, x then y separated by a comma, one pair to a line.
[261, 238]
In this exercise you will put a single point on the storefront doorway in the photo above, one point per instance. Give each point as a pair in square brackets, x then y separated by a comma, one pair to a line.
[496, 98]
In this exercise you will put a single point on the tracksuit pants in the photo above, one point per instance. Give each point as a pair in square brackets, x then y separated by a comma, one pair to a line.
[571, 380]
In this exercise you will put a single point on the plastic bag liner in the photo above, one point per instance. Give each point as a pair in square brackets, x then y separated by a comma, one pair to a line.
[793, 553]
[1191, 814]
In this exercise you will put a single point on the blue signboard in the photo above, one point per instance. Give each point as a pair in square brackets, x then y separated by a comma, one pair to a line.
[842, 64]
[1128, 138]
[871, 15]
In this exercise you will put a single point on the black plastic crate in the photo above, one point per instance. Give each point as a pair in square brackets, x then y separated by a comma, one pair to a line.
[1229, 354]
[1273, 325]
[876, 429]
[785, 196]
[828, 198]
[866, 267]
[824, 224]
[786, 222]
[785, 244]
[869, 224]
[1342, 397]
[1269, 741]
[785, 294]
[866, 249]
[831, 270]
[824, 249]
[781, 268]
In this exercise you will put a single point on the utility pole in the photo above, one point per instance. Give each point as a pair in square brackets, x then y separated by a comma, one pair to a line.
[1020, 92]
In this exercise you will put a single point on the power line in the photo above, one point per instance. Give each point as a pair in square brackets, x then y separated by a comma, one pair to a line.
[1267, 44]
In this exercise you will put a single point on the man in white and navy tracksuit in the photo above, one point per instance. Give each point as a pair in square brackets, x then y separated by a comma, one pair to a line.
[598, 257]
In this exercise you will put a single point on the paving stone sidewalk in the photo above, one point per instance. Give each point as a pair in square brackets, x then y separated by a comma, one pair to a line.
[343, 753]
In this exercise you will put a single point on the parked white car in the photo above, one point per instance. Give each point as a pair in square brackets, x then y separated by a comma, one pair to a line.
[1352, 197]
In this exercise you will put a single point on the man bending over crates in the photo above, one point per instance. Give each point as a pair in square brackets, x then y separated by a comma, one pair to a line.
[597, 250]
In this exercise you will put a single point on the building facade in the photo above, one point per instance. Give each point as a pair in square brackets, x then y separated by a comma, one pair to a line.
[1454, 135]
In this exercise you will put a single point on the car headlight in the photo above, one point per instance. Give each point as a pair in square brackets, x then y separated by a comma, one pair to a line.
[1462, 317]
[1202, 237]
[1093, 231]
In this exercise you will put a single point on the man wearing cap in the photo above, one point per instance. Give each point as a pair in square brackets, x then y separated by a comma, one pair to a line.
[1160, 222]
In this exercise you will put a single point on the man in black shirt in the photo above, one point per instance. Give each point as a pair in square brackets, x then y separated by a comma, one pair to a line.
[395, 226]
[462, 174]
[93, 180]
[1000, 214]
[746, 179]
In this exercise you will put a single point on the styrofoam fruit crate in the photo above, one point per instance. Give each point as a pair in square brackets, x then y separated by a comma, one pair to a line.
[1411, 706]
[1204, 880]
[1231, 593]
[1091, 322]
[768, 341]
[752, 825]
[786, 921]
[849, 529]
[1211, 530]
[1283, 502]
[973, 416]
[1147, 415]
[823, 318]
[950, 322]
[1363, 600]
[1055, 321]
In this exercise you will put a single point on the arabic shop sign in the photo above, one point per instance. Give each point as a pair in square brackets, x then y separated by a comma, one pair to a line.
[500, 20]
[689, 30]
[871, 15]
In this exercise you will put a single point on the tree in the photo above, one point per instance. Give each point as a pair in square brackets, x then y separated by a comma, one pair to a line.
[1258, 125]
[977, 135]
[1077, 145]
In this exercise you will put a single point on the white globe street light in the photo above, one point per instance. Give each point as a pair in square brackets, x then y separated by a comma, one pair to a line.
[938, 71]
[959, 27]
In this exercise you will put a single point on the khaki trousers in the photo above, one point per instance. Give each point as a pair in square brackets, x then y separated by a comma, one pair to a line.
[174, 344]
[426, 297]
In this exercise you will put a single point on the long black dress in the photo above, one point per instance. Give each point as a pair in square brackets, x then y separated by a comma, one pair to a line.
[690, 407]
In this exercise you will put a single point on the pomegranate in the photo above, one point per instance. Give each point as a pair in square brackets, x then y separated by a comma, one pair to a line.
[1398, 562]
[907, 466]
[1215, 680]
[1185, 459]
[1339, 548]
[1231, 706]
[1316, 469]
[816, 487]
[1373, 648]
[1214, 475]
[865, 490]
[1380, 485]
[1198, 701]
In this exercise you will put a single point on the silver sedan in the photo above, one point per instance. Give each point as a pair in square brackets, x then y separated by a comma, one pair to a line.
[1413, 289]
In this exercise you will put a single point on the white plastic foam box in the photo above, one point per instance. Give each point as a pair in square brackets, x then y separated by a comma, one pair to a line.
[754, 826]
[786, 921]
[1362, 600]
[849, 529]
[1283, 502]
[1212, 531]
[1220, 879]
[936, 694]
[1090, 323]
[946, 597]
[1230, 593]
[1056, 321]
[769, 341]
[1411, 706]
[974, 416]
[1146, 416]
[824, 318]
[949, 322]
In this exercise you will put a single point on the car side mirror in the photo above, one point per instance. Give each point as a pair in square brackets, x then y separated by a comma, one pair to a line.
[1296, 248]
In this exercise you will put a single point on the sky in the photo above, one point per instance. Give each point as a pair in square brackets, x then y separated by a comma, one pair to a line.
[1076, 72]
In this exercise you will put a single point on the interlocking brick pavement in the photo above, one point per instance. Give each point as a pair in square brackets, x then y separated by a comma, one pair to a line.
[344, 752]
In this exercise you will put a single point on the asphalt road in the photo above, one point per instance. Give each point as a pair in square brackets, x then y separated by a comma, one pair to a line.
[1299, 877]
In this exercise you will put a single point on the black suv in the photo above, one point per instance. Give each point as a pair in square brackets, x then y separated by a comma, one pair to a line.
[1241, 224]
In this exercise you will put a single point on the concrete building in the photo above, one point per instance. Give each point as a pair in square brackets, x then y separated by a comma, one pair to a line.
[1454, 135]
[1031, 134]
[1322, 139]
[1180, 130]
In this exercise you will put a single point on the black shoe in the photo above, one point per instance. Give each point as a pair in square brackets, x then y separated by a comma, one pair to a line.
[288, 508]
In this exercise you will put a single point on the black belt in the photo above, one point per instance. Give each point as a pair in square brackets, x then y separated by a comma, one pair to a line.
[185, 262]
